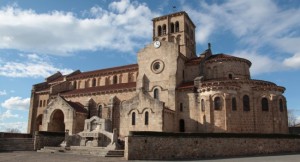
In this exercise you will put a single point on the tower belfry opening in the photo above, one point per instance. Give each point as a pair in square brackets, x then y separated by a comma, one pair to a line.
[177, 28]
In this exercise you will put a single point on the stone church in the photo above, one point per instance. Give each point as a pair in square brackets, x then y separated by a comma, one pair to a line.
[170, 89]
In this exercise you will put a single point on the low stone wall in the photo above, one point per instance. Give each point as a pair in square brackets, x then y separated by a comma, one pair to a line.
[14, 135]
[48, 139]
[16, 144]
[160, 146]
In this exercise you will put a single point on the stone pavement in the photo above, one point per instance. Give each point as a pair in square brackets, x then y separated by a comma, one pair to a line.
[32, 156]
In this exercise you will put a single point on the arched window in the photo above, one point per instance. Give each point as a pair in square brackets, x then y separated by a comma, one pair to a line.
[230, 76]
[233, 104]
[79, 83]
[202, 105]
[176, 26]
[133, 118]
[146, 118]
[94, 82]
[87, 85]
[115, 79]
[107, 81]
[159, 30]
[246, 103]
[172, 28]
[75, 84]
[44, 103]
[164, 29]
[264, 104]
[100, 111]
[217, 103]
[181, 107]
[181, 125]
[281, 105]
[41, 103]
[156, 93]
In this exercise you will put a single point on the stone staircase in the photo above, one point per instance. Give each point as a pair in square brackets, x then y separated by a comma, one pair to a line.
[83, 150]
[115, 153]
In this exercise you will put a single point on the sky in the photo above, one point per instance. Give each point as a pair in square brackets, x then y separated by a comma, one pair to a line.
[41, 37]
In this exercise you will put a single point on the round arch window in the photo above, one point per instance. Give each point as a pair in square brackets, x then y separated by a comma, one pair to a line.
[157, 66]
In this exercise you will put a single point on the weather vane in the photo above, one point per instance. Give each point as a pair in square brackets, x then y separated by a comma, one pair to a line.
[174, 8]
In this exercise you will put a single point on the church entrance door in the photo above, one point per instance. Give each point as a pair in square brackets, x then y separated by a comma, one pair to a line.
[57, 122]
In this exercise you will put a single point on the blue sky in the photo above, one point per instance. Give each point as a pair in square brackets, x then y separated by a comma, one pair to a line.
[40, 37]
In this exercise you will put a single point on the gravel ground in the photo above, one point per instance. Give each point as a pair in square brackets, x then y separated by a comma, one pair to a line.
[32, 156]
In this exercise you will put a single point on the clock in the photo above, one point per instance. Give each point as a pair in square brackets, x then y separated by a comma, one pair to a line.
[156, 44]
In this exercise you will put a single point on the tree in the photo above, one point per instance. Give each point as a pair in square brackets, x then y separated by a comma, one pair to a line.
[292, 119]
[13, 130]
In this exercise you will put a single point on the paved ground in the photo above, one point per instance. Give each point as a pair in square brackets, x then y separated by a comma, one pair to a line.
[31, 156]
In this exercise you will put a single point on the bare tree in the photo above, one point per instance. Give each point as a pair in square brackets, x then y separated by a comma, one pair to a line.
[13, 130]
[292, 119]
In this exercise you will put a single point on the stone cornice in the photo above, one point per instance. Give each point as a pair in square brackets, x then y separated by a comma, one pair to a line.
[236, 84]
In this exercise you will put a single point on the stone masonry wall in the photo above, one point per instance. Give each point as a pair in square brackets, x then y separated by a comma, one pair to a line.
[16, 144]
[48, 139]
[166, 146]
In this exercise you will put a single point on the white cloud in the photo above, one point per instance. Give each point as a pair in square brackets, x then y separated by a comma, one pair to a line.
[293, 62]
[32, 66]
[7, 114]
[3, 93]
[42, 69]
[260, 63]
[62, 33]
[16, 103]
[257, 24]
[22, 126]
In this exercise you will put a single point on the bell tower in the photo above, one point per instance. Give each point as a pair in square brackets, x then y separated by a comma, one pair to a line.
[178, 28]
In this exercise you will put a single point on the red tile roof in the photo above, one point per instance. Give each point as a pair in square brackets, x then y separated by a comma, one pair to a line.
[101, 88]
[78, 107]
[194, 61]
[186, 85]
[102, 71]
[197, 60]
[224, 57]
[57, 79]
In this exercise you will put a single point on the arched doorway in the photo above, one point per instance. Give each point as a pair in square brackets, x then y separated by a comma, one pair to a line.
[38, 122]
[57, 122]
[181, 125]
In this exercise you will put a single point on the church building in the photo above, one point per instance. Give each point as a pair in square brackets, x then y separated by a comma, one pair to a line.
[171, 88]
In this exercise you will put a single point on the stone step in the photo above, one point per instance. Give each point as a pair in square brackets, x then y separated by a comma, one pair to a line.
[115, 153]
[53, 148]
[78, 150]
[87, 148]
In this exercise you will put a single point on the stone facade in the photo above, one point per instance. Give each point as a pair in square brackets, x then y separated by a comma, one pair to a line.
[170, 89]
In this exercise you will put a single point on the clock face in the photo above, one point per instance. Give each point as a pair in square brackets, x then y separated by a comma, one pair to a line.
[156, 44]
